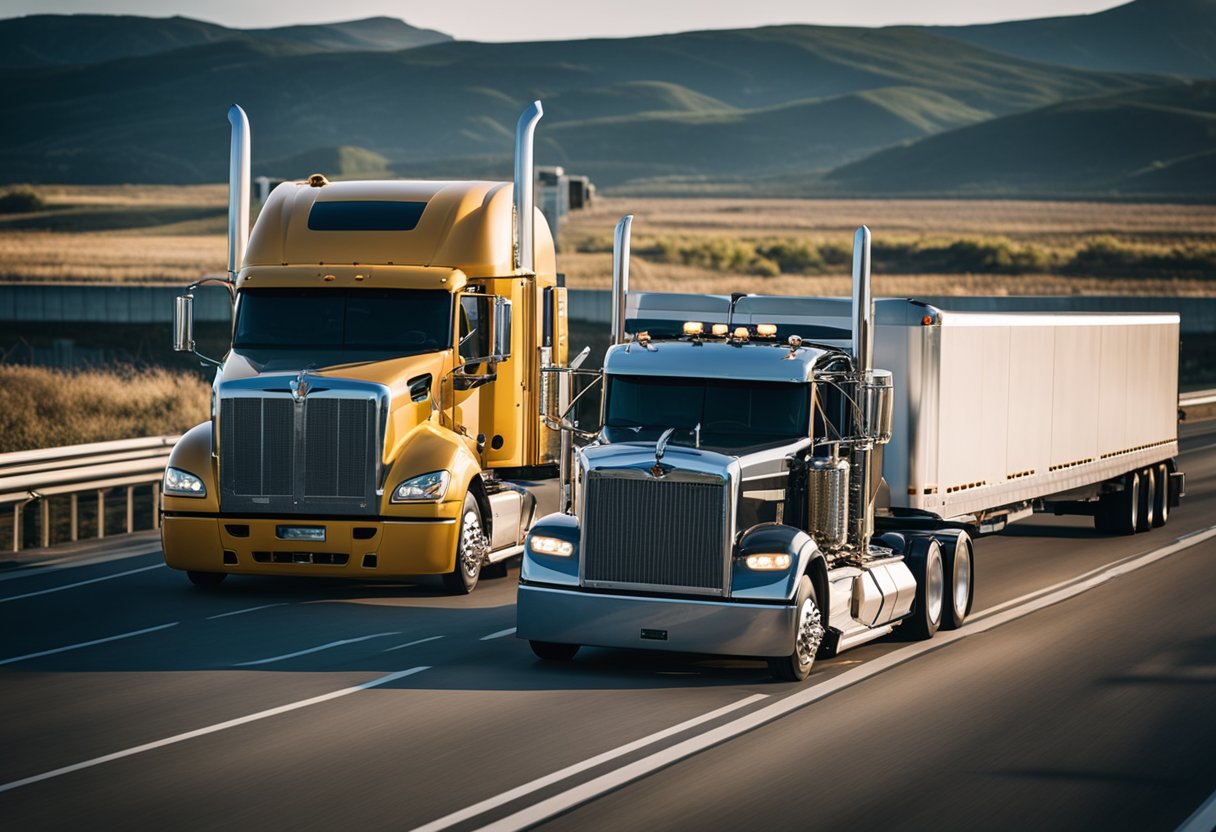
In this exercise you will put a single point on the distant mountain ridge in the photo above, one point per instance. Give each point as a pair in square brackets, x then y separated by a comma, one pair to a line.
[80, 39]
[801, 109]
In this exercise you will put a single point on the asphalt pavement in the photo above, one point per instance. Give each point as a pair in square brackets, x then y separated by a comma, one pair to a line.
[1079, 695]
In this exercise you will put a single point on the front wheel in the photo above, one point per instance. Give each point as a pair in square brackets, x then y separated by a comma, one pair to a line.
[206, 578]
[553, 652]
[808, 635]
[470, 550]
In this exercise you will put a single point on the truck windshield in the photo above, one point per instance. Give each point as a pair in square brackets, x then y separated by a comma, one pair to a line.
[732, 414]
[399, 321]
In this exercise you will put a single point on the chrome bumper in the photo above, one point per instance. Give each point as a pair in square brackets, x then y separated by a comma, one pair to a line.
[725, 628]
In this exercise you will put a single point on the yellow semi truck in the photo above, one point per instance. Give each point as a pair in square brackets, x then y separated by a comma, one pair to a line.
[383, 385]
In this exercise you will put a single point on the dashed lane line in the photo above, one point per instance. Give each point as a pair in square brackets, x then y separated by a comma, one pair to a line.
[84, 644]
[247, 609]
[81, 583]
[557, 776]
[211, 729]
[317, 649]
[1204, 819]
[412, 643]
[507, 632]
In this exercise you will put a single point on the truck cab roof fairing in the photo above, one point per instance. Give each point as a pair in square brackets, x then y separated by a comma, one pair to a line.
[762, 361]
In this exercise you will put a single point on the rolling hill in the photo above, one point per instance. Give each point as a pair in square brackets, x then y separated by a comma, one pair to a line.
[1146, 142]
[81, 39]
[1167, 36]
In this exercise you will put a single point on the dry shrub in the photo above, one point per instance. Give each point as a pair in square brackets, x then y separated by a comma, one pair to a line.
[47, 408]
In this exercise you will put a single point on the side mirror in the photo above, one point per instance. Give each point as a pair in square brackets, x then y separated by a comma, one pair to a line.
[502, 329]
[183, 324]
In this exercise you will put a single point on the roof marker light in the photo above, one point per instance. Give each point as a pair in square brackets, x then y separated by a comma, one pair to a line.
[766, 330]
[720, 329]
[693, 327]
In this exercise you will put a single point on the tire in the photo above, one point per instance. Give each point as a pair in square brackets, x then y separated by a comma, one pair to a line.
[470, 550]
[206, 578]
[1119, 511]
[1145, 517]
[1161, 496]
[925, 559]
[958, 566]
[808, 635]
[553, 652]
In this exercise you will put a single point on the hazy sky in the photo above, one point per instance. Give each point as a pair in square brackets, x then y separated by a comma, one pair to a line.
[551, 19]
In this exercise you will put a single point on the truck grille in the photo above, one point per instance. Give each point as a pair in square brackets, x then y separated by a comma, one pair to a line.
[322, 458]
[657, 533]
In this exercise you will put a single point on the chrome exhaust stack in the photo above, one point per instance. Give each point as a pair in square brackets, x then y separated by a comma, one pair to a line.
[862, 480]
[863, 304]
[238, 190]
[525, 238]
[620, 276]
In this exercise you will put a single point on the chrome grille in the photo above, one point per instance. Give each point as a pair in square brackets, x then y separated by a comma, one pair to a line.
[659, 533]
[282, 456]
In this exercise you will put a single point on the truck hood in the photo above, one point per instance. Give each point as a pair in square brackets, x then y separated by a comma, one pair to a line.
[762, 469]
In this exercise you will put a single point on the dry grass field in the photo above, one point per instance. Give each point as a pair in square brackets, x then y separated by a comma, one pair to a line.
[176, 234]
[44, 408]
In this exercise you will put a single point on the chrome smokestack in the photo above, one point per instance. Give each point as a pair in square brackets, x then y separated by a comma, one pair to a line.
[620, 276]
[238, 190]
[863, 304]
[525, 239]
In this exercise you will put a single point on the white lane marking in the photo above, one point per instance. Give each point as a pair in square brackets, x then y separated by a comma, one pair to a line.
[1204, 819]
[412, 643]
[499, 634]
[84, 644]
[211, 729]
[314, 649]
[82, 583]
[247, 609]
[557, 776]
[564, 801]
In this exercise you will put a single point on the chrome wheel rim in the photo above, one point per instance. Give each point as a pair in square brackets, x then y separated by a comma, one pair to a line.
[810, 633]
[962, 578]
[472, 544]
[936, 591]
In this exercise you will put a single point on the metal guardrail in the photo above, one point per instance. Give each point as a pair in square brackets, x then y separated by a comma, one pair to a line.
[34, 476]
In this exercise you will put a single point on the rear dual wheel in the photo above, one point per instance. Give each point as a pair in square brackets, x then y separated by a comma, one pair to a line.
[924, 557]
[958, 566]
[1118, 512]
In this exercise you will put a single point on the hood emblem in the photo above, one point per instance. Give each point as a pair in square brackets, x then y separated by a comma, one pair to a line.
[659, 469]
[299, 387]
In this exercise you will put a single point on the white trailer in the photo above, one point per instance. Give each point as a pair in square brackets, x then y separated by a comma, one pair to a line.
[996, 414]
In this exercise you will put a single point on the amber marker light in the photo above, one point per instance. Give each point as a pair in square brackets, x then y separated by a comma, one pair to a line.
[693, 327]
[766, 330]
[720, 330]
[768, 563]
[741, 333]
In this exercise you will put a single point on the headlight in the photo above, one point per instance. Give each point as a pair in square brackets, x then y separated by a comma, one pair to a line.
[425, 488]
[767, 563]
[551, 546]
[180, 483]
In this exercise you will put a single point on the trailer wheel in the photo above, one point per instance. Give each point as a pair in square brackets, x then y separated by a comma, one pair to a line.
[1161, 496]
[552, 651]
[1145, 516]
[808, 635]
[470, 551]
[206, 578]
[925, 558]
[958, 564]
[1119, 511]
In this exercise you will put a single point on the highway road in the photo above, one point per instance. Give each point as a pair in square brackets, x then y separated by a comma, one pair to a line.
[1081, 694]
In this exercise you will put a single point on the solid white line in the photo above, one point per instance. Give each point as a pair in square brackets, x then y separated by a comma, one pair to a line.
[211, 729]
[82, 583]
[557, 776]
[247, 609]
[87, 643]
[313, 649]
[411, 643]
[564, 801]
[499, 634]
[1204, 819]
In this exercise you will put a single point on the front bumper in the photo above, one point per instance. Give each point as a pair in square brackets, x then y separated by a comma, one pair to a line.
[399, 548]
[570, 616]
